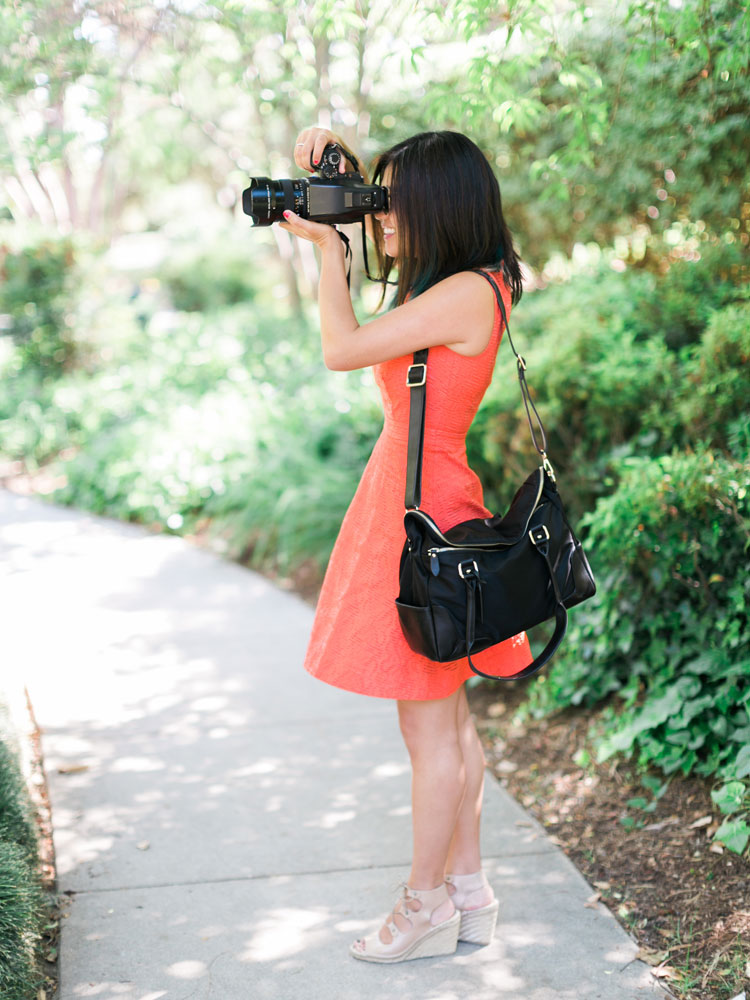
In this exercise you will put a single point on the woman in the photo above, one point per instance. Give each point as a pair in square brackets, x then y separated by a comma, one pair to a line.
[444, 218]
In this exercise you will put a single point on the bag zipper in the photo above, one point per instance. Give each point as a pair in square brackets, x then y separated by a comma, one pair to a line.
[434, 553]
[478, 545]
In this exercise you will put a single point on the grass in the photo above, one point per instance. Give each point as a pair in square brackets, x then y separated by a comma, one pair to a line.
[21, 898]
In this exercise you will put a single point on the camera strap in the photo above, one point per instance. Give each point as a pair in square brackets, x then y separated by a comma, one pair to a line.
[347, 256]
[350, 157]
[355, 164]
[364, 251]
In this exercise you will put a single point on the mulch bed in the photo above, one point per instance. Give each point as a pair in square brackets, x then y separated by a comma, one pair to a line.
[685, 899]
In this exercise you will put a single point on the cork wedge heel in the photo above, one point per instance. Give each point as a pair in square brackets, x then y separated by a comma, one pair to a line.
[478, 917]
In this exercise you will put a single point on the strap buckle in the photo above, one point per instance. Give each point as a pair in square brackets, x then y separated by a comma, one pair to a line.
[468, 569]
[414, 380]
[539, 535]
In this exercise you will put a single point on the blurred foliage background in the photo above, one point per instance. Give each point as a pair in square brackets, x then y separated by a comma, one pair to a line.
[159, 360]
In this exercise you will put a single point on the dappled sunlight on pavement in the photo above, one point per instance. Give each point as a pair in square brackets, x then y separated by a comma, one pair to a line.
[225, 825]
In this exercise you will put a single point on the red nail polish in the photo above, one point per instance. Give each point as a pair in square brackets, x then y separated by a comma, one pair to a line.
[286, 215]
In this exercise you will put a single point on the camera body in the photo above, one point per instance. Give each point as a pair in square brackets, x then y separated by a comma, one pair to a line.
[330, 197]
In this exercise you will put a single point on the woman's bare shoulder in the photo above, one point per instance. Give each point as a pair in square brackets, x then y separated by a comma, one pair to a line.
[473, 300]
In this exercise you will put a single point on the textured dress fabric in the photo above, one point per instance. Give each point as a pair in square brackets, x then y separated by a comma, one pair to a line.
[356, 641]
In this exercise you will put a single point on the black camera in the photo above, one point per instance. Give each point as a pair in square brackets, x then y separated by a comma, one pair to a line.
[332, 197]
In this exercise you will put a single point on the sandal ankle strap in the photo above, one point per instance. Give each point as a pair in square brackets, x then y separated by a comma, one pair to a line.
[468, 883]
[439, 893]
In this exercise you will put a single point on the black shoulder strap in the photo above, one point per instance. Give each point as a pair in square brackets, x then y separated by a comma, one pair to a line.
[416, 380]
[525, 394]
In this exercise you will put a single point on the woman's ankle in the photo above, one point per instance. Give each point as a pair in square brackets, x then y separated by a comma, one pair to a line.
[437, 898]
[469, 891]
[463, 863]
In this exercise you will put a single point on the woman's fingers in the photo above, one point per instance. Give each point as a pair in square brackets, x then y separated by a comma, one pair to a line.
[303, 148]
[309, 147]
[322, 139]
[316, 232]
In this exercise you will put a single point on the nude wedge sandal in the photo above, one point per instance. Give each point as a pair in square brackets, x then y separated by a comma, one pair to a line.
[421, 938]
[477, 922]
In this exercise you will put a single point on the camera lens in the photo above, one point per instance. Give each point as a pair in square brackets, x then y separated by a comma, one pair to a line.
[266, 200]
[331, 197]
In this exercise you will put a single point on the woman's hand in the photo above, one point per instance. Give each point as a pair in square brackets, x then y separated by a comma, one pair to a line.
[322, 235]
[310, 145]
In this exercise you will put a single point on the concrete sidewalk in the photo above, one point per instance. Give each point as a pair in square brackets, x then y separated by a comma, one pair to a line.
[225, 825]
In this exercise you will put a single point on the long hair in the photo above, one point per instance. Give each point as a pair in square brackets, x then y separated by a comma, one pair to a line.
[447, 204]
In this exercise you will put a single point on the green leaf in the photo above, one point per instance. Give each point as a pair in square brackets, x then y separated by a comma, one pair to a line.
[637, 803]
[656, 786]
[730, 797]
[742, 764]
[734, 835]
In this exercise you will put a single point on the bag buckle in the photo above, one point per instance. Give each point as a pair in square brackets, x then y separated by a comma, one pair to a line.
[468, 569]
[539, 535]
[419, 379]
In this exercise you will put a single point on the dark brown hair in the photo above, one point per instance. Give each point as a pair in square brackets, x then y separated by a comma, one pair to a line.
[447, 203]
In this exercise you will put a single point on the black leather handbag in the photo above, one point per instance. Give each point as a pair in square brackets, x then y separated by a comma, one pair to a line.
[487, 579]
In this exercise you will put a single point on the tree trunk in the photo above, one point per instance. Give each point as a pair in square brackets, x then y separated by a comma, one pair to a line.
[285, 244]
[66, 173]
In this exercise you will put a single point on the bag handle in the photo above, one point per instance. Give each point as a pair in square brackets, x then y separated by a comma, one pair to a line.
[416, 378]
[540, 539]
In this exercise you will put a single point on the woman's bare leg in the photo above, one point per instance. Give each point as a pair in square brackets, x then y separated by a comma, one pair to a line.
[464, 855]
[447, 784]
[430, 731]
[431, 735]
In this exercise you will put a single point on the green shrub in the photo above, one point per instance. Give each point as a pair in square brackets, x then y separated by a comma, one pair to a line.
[286, 504]
[209, 418]
[607, 385]
[716, 392]
[35, 296]
[32, 428]
[20, 917]
[21, 898]
[678, 305]
[668, 629]
[16, 823]
[209, 278]
[600, 392]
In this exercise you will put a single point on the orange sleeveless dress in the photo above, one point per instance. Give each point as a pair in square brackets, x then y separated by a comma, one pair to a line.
[356, 641]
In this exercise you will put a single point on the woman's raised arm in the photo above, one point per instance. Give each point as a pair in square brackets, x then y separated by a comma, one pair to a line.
[458, 311]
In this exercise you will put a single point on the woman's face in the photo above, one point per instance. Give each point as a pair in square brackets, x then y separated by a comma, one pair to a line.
[388, 220]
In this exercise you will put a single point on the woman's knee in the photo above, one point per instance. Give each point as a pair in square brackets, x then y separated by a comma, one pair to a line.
[470, 741]
[429, 726]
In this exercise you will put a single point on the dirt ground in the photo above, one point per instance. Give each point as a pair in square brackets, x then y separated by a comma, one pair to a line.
[685, 899]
